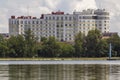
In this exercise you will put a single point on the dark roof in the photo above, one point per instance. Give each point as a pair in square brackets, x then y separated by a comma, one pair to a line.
[5, 34]
[110, 34]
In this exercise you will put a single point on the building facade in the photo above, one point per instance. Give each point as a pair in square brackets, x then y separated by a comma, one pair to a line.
[62, 26]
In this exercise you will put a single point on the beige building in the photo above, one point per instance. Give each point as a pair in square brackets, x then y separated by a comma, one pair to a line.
[60, 25]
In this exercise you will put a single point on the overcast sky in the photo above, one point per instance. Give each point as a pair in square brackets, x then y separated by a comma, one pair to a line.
[38, 7]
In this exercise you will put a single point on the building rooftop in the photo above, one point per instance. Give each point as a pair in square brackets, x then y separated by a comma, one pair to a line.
[84, 12]
[108, 35]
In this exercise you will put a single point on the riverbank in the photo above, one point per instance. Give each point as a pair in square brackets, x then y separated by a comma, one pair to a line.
[48, 59]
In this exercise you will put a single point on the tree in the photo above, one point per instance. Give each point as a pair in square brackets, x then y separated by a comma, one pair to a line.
[115, 41]
[3, 47]
[66, 50]
[50, 48]
[92, 42]
[16, 46]
[103, 48]
[79, 39]
[30, 44]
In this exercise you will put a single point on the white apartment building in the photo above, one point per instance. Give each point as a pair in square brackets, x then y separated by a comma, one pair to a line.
[62, 26]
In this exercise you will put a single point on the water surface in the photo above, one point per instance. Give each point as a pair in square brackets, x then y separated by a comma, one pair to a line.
[89, 70]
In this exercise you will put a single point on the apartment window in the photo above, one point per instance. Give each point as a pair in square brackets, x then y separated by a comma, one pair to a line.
[17, 22]
[49, 24]
[57, 18]
[93, 24]
[40, 22]
[74, 18]
[12, 22]
[53, 18]
[88, 24]
[33, 22]
[69, 18]
[80, 17]
[21, 22]
[57, 25]
[36, 28]
[33, 26]
[49, 18]
[37, 22]
[46, 18]
[28, 22]
[61, 18]
[66, 18]
[100, 24]
[25, 22]
[74, 25]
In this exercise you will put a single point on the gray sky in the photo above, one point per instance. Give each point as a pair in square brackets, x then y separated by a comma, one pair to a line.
[37, 7]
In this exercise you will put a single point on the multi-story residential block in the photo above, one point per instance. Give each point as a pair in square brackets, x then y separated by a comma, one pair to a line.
[62, 26]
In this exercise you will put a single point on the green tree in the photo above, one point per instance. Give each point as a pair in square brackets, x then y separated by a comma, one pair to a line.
[115, 41]
[50, 48]
[3, 47]
[92, 43]
[79, 39]
[66, 50]
[30, 44]
[103, 48]
[16, 46]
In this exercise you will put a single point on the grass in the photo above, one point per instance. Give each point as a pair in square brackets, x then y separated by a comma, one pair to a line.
[41, 59]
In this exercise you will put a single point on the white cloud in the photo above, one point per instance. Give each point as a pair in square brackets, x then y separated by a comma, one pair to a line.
[51, 4]
[37, 7]
[83, 4]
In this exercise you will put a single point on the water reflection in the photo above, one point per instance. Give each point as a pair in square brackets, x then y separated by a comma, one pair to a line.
[60, 72]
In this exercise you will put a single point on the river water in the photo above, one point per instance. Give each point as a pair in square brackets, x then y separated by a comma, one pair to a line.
[59, 70]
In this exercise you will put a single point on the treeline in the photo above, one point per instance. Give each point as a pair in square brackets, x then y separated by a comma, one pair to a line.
[91, 45]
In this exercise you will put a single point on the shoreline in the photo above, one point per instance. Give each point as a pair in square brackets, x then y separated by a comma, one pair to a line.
[56, 59]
